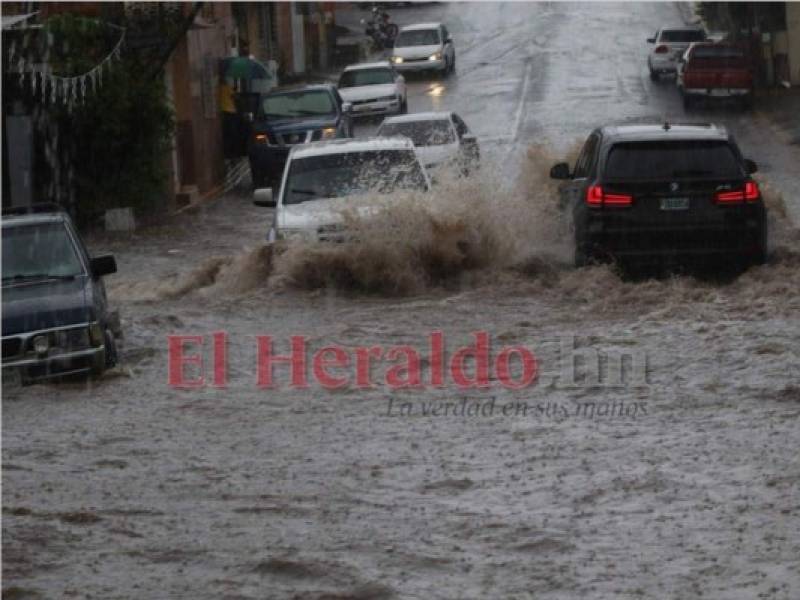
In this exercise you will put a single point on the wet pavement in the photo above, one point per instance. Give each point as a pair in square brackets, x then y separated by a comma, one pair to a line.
[680, 483]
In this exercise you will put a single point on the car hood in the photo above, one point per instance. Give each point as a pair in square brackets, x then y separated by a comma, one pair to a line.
[316, 213]
[367, 92]
[435, 155]
[297, 124]
[41, 305]
[417, 51]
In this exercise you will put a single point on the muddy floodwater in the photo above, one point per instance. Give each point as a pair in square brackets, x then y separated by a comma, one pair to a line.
[675, 478]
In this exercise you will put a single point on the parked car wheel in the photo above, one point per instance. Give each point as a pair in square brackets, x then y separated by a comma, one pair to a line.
[654, 76]
[112, 355]
[404, 106]
[688, 102]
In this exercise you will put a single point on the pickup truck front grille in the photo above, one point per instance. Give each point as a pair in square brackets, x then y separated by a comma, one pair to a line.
[290, 139]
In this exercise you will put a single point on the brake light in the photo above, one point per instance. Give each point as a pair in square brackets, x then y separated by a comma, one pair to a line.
[662, 49]
[595, 196]
[261, 138]
[750, 193]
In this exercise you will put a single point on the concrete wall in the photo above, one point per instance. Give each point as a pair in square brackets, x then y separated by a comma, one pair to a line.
[793, 29]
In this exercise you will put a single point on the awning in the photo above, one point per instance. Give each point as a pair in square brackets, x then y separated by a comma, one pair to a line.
[10, 20]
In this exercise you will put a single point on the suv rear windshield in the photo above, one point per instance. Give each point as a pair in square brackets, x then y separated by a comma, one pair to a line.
[422, 133]
[672, 160]
[298, 104]
[353, 173]
[418, 37]
[366, 77]
[682, 36]
[38, 251]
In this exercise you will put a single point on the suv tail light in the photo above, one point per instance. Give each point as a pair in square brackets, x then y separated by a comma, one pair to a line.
[662, 49]
[595, 196]
[749, 192]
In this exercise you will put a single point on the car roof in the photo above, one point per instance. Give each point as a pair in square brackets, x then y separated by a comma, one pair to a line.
[371, 65]
[417, 26]
[423, 116]
[34, 218]
[664, 132]
[350, 145]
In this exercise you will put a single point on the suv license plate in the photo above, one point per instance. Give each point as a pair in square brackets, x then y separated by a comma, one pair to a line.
[675, 204]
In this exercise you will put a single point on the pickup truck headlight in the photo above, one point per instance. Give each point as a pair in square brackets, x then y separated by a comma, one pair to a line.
[328, 133]
[397, 60]
[74, 339]
[435, 56]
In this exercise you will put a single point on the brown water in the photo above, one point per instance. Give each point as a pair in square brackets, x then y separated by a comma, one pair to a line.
[129, 488]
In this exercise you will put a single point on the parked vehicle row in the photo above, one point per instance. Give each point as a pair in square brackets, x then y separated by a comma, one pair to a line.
[704, 69]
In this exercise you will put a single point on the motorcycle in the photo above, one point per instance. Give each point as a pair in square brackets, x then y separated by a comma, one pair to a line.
[380, 30]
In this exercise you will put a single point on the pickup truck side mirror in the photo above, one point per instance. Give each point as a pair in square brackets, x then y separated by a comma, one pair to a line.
[750, 166]
[263, 197]
[105, 264]
[651, 40]
[560, 171]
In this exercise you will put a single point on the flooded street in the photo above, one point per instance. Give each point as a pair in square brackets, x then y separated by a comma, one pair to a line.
[674, 476]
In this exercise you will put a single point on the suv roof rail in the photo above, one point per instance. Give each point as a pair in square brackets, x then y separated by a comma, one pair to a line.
[40, 207]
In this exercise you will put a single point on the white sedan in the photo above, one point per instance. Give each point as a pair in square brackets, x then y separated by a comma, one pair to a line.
[373, 89]
[440, 138]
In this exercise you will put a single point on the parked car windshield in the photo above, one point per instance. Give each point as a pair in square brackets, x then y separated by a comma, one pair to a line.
[672, 160]
[422, 133]
[298, 104]
[366, 77]
[38, 251]
[353, 173]
[418, 37]
[682, 36]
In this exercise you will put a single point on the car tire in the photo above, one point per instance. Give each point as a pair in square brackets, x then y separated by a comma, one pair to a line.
[404, 106]
[453, 65]
[654, 76]
[688, 102]
[112, 355]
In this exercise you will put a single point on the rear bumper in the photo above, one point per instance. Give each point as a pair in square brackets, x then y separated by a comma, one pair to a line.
[664, 65]
[717, 92]
[735, 235]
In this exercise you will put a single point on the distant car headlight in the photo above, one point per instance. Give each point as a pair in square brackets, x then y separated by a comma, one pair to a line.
[397, 60]
[261, 138]
[435, 56]
[328, 133]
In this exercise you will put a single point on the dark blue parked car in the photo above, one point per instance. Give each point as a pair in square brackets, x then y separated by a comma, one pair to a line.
[56, 320]
[292, 116]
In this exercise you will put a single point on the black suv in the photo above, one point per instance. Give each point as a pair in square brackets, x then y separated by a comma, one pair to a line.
[287, 117]
[657, 193]
[56, 320]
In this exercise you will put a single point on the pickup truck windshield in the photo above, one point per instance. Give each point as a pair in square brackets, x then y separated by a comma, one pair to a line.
[38, 251]
[672, 160]
[365, 77]
[422, 133]
[353, 173]
[418, 37]
[299, 104]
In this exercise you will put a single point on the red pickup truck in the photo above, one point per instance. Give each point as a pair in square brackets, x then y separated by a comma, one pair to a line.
[716, 70]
